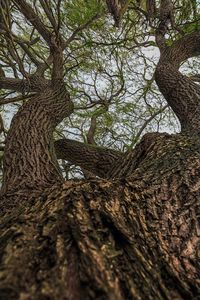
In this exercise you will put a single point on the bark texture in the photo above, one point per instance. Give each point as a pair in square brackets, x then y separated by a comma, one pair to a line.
[181, 93]
[131, 238]
[94, 159]
[29, 160]
[133, 235]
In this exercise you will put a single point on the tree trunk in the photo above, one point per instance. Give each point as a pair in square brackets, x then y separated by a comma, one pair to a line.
[134, 235]
[29, 160]
[132, 238]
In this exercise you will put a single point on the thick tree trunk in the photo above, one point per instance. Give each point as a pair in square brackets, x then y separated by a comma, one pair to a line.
[134, 238]
[134, 235]
[29, 159]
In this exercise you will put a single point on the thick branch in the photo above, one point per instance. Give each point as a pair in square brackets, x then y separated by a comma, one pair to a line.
[92, 130]
[29, 160]
[181, 93]
[184, 48]
[55, 42]
[33, 84]
[165, 17]
[94, 159]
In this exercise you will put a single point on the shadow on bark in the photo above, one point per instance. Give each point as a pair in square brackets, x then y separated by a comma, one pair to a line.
[134, 237]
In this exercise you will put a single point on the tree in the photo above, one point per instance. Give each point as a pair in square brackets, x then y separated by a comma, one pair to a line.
[132, 230]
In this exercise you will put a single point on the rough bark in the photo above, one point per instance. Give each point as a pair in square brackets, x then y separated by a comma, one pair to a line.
[96, 160]
[135, 235]
[181, 93]
[134, 238]
[30, 163]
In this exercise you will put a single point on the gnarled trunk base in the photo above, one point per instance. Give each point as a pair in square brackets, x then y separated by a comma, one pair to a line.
[133, 238]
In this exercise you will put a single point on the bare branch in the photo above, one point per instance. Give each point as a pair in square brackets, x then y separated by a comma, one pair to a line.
[15, 99]
[91, 158]
[49, 14]
[79, 29]
[55, 42]
[35, 20]
[91, 131]
[138, 135]
[33, 84]
[28, 52]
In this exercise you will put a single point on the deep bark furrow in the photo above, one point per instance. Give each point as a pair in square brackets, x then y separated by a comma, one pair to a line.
[134, 236]
[143, 229]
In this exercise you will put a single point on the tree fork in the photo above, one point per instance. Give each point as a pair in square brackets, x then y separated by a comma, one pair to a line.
[133, 238]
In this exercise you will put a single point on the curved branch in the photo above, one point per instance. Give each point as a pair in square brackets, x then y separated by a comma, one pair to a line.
[165, 17]
[28, 52]
[182, 49]
[94, 159]
[79, 29]
[29, 159]
[54, 41]
[181, 93]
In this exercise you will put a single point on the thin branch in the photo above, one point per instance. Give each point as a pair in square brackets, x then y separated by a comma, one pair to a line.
[79, 29]
[27, 10]
[146, 123]
[58, 15]
[49, 14]
[28, 52]
[15, 99]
